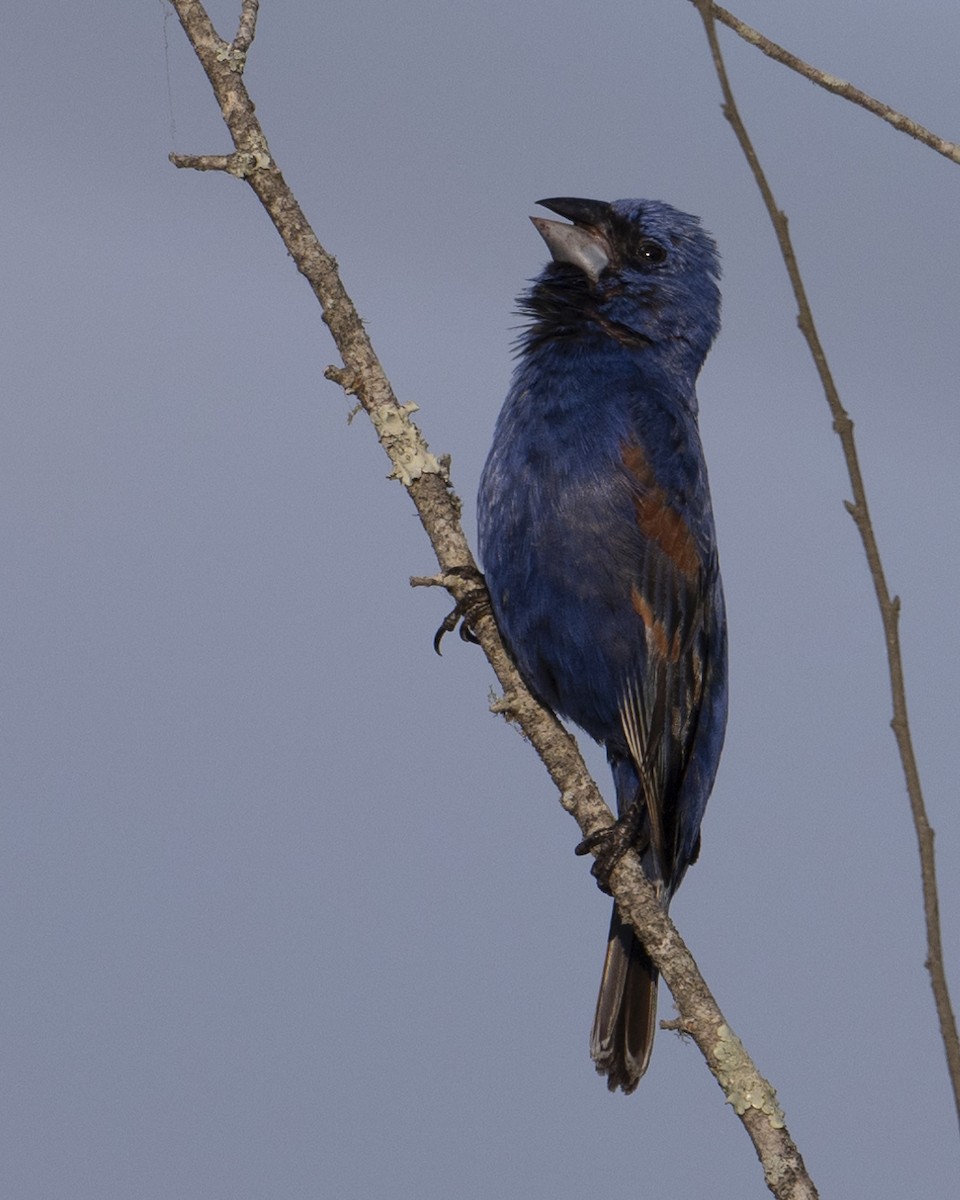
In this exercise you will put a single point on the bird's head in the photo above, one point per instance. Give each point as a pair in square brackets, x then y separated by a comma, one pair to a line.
[635, 270]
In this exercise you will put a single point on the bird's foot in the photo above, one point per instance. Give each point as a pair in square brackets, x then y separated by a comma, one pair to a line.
[610, 844]
[468, 609]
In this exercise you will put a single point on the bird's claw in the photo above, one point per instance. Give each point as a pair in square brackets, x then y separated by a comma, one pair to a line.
[475, 604]
[457, 616]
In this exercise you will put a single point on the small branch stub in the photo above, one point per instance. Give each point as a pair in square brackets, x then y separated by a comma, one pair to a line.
[344, 377]
[240, 164]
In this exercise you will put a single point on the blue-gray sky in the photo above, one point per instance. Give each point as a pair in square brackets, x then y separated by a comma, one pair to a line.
[286, 912]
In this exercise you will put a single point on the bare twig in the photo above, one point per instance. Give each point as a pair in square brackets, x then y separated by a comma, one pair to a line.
[248, 26]
[889, 605]
[426, 480]
[830, 83]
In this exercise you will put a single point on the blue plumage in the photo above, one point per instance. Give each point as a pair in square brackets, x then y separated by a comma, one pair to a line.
[597, 541]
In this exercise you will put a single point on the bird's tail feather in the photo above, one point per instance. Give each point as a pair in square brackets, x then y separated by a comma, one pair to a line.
[626, 1016]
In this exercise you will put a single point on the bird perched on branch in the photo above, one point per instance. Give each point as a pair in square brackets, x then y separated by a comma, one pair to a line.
[597, 541]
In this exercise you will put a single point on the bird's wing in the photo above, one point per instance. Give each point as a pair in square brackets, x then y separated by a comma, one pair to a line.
[660, 705]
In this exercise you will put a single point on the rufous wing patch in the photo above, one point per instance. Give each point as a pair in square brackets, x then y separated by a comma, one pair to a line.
[658, 522]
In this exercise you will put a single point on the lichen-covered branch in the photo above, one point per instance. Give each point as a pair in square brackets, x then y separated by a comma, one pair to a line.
[839, 87]
[426, 480]
[889, 605]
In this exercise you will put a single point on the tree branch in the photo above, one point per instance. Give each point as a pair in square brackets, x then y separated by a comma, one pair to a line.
[426, 479]
[830, 83]
[889, 606]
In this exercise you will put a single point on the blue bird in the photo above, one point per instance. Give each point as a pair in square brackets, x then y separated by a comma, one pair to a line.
[598, 545]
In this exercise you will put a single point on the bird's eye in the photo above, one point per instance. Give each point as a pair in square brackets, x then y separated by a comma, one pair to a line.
[651, 252]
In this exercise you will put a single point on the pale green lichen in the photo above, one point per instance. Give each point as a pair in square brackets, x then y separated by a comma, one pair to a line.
[831, 81]
[243, 164]
[255, 156]
[235, 59]
[738, 1077]
[404, 443]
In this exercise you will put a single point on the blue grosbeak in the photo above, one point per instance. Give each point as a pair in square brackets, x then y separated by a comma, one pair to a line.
[598, 545]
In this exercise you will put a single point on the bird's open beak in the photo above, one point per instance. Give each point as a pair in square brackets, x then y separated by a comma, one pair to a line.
[582, 244]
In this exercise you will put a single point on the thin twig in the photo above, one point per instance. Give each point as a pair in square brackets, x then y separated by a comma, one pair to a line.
[426, 480]
[889, 605]
[248, 26]
[830, 83]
